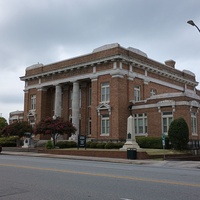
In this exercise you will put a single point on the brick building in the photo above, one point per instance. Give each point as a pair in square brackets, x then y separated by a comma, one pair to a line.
[16, 116]
[98, 92]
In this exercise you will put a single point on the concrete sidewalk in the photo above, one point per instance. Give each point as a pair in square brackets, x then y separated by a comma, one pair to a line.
[149, 162]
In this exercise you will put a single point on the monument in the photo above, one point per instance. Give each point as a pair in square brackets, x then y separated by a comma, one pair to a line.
[28, 142]
[130, 141]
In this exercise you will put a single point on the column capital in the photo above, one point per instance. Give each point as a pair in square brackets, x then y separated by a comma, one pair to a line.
[41, 88]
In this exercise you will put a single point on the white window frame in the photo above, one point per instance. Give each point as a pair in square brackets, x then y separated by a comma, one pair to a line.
[105, 92]
[33, 102]
[167, 118]
[194, 123]
[141, 124]
[105, 125]
[136, 93]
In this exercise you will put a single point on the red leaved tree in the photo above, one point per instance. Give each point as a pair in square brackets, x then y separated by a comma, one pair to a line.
[54, 127]
[17, 129]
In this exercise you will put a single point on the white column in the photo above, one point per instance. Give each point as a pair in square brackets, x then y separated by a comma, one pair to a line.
[75, 107]
[58, 101]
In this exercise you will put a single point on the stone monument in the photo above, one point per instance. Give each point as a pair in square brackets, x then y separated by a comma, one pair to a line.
[130, 141]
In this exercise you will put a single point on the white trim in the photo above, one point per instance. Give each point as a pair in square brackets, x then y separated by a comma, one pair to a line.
[156, 105]
[120, 73]
[103, 106]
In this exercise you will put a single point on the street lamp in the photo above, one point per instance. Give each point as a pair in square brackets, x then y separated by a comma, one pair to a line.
[54, 132]
[193, 24]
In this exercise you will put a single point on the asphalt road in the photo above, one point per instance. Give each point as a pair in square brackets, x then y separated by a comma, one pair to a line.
[39, 178]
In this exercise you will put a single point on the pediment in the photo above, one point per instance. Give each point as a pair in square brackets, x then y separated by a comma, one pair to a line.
[104, 106]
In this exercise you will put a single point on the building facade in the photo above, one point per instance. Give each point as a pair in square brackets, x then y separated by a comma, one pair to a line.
[98, 92]
[16, 116]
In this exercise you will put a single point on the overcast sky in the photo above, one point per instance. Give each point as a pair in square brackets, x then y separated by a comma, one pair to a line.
[47, 31]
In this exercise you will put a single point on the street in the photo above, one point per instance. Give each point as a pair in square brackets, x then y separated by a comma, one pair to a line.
[39, 178]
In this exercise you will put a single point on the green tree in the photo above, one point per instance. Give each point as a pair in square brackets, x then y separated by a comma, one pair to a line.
[3, 123]
[17, 129]
[179, 134]
[54, 127]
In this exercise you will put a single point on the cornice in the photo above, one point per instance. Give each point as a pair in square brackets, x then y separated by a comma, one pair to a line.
[120, 72]
[167, 103]
[70, 68]
[161, 72]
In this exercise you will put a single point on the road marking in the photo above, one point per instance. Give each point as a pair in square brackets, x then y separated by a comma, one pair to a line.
[104, 175]
[125, 199]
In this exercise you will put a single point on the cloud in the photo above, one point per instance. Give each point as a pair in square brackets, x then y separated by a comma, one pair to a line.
[47, 31]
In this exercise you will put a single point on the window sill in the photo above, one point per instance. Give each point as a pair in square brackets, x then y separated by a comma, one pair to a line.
[105, 135]
[142, 134]
[194, 134]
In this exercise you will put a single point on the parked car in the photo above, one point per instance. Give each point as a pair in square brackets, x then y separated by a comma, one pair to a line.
[0, 148]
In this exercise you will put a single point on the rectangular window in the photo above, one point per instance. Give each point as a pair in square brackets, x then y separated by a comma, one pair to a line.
[140, 124]
[105, 125]
[105, 92]
[137, 93]
[33, 102]
[194, 123]
[167, 118]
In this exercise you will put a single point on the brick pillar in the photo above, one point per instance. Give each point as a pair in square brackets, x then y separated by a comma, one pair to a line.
[26, 104]
[84, 109]
[41, 104]
[119, 103]
[94, 104]
[146, 91]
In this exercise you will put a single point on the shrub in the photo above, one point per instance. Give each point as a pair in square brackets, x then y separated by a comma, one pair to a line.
[72, 144]
[9, 141]
[66, 144]
[152, 142]
[110, 145]
[88, 144]
[100, 145]
[49, 145]
[93, 145]
[103, 145]
[118, 145]
[179, 134]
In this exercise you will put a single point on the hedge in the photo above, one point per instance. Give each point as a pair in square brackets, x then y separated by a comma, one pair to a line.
[66, 144]
[9, 141]
[152, 142]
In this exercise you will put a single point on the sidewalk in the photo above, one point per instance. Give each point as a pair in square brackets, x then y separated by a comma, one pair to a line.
[156, 163]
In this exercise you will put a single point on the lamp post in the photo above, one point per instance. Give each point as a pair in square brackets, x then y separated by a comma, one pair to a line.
[54, 132]
[193, 24]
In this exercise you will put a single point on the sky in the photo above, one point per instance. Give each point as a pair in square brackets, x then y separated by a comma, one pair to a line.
[47, 31]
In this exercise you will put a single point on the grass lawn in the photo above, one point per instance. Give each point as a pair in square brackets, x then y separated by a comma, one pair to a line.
[164, 151]
[149, 151]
